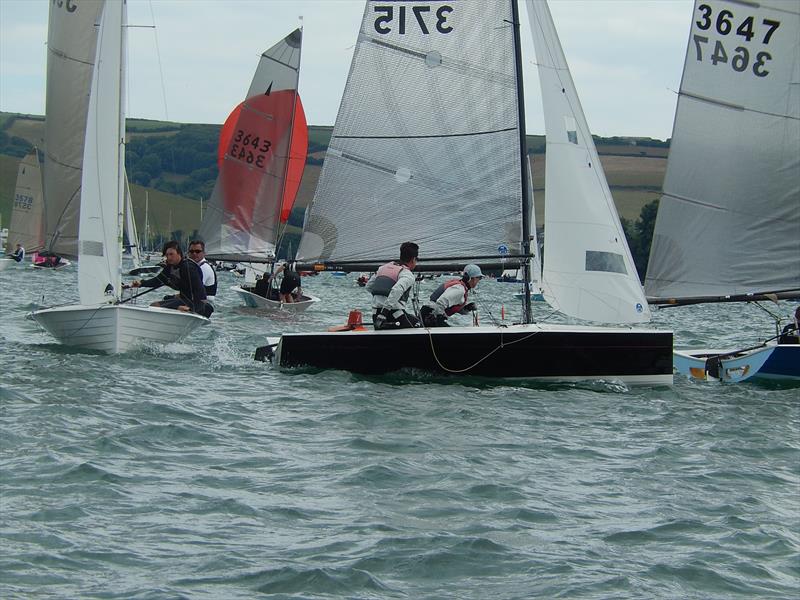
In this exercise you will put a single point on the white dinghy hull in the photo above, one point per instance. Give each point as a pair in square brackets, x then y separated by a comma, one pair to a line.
[5, 263]
[115, 329]
[253, 300]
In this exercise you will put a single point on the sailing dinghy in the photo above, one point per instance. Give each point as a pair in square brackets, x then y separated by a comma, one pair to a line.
[263, 147]
[103, 321]
[728, 224]
[27, 214]
[429, 145]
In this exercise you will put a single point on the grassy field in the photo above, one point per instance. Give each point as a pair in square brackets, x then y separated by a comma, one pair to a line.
[635, 175]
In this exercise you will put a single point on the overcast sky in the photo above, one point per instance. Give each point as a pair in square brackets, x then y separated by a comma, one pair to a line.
[625, 56]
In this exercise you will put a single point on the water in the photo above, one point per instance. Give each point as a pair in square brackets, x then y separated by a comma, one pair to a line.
[193, 471]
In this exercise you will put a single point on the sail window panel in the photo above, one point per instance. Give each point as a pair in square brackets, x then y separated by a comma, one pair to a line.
[91, 248]
[608, 262]
[572, 129]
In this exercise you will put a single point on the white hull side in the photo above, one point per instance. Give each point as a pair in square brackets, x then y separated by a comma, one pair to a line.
[115, 328]
[5, 263]
[738, 366]
[252, 300]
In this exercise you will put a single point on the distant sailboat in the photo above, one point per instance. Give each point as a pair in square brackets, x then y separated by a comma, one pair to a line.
[103, 321]
[262, 155]
[71, 49]
[429, 145]
[27, 214]
[728, 225]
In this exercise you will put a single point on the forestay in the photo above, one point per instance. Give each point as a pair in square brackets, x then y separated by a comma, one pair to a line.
[71, 44]
[244, 212]
[425, 146]
[103, 182]
[729, 219]
[588, 270]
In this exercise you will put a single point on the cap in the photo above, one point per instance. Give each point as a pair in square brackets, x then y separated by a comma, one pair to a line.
[473, 271]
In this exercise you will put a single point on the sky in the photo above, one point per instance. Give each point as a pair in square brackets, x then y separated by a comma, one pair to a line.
[196, 64]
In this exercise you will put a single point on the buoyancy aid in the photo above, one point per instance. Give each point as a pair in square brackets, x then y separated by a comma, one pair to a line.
[451, 310]
[385, 278]
[211, 290]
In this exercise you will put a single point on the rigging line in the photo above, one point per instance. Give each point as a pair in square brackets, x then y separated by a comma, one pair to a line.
[158, 57]
[479, 361]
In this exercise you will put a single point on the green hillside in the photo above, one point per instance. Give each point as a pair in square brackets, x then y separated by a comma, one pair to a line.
[176, 165]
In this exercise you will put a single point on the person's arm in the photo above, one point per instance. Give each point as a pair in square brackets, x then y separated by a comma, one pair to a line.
[404, 282]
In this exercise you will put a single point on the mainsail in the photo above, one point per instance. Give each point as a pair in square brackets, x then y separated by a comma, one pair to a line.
[257, 184]
[425, 145]
[27, 215]
[71, 43]
[729, 219]
[588, 269]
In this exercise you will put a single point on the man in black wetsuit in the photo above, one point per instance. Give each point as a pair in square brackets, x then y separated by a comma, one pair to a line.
[182, 275]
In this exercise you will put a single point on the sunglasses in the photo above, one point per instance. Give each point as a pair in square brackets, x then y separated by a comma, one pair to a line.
[195, 251]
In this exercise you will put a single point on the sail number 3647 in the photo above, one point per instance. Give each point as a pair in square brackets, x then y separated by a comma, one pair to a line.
[748, 30]
[250, 148]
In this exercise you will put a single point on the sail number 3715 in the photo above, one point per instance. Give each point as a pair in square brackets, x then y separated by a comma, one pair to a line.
[402, 17]
[748, 30]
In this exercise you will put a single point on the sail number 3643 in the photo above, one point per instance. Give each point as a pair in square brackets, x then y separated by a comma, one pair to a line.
[250, 148]
[748, 31]
[404, 17]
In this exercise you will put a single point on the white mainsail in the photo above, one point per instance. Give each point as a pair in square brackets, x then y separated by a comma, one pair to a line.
[243, 215]
[71, 45]
[425, 146]
[729, 219]
[27, 214]
[103, 181]
[588, 269]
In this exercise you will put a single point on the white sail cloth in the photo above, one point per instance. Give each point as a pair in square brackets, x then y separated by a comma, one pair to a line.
[729, 220]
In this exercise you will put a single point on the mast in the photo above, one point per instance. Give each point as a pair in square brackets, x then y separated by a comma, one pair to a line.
[523, 155]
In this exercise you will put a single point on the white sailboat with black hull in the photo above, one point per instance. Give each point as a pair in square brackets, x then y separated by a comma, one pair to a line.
[263, 147]
[429, 145]
[728, 225]
[103, 321]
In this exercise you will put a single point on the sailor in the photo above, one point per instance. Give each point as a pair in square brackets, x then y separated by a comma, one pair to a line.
[390, 288]
[197, 252]
[791, 332]
[182, 275]
[451, 298]
[19, 253]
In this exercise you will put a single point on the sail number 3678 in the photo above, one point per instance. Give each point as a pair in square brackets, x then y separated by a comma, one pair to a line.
[404, 17]
[748, 31]
[250, 148]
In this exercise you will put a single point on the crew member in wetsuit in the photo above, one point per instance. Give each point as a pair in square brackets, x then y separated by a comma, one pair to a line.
[390, 288]
[451, 298]
[19, 253]
[180, 274]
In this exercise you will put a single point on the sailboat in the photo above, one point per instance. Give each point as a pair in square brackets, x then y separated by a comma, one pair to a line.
[27, 214]
[728, 224]
[103, 321]
[262, 156]
[429, 145]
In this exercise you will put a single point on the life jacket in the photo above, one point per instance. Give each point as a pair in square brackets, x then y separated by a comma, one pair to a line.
[211, 290]
[385, 279]
[451, 310]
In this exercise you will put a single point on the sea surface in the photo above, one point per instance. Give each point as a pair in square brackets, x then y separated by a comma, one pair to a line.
[192, 471]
